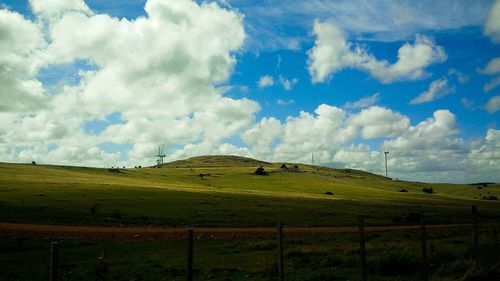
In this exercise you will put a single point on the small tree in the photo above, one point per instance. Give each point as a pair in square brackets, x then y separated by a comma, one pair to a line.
[33, 162]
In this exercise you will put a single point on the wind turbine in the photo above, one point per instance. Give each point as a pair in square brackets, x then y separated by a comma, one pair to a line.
[385, 154]
[160, 156]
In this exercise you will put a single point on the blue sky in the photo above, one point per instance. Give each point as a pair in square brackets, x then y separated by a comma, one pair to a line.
[103, 83]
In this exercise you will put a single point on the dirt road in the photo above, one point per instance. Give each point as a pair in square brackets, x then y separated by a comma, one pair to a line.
[166, 233]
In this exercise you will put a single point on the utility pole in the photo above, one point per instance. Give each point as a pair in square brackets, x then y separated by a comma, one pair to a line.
[385, 154]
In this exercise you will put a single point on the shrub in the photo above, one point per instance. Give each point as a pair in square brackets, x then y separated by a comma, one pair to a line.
[33, 162]
[261, 171]
[329, 193]
[402, 190]
[490, 197]
[428, 190]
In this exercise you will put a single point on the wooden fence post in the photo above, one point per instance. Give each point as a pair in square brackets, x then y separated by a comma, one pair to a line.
[190, 255]
[362, 249]
[475, 231]
[423, 235]
[54, 261]
[281, 274]
[495, 238]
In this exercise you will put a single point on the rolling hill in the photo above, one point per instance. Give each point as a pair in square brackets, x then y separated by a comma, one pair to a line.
[224, 191]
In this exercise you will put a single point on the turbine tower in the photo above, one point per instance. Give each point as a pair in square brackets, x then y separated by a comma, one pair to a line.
[160, 156]
[385, 154]
[312, 158]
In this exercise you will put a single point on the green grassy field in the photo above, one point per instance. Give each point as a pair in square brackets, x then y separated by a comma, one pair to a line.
[224, 191]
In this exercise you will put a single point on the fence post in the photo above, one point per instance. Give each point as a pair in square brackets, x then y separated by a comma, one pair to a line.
[362, 249]
[54, 261]
[495, 238]
[281, 274]
[190, 255]
[475, 232]
[423, 235]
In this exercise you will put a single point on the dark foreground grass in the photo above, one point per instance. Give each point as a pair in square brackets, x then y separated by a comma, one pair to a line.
[391, 256]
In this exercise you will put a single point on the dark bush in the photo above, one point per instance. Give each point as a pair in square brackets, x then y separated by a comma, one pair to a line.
[33, 162]
[261, 171]
[490, 197]
[329, 193]
[428, 190]
[402, 190]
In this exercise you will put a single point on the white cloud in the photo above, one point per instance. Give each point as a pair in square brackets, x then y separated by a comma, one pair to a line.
[377, 121]
[484, 157]
[157, 71]
[492, 26]
[492, 68]
[266, 81]
[381, 20]
[261, 136]
[492, 84]
[53, 9]
[332, 53]
[20, 39]
[493, 105]
[364, 102]
[284, 102]
[288, 84]
[429, 151]
[437, 89]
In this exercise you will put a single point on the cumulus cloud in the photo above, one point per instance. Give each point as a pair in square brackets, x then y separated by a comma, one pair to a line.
[431, 150]
[158, 71]
[379, 122]
[493, 105]
[265, 81]
[437, 89]
[364, 102]
[332, 53]
[492, 26]
[20, 39]
[261, 135]
[53, 9]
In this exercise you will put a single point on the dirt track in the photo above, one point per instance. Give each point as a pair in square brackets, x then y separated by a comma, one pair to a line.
[165, 233]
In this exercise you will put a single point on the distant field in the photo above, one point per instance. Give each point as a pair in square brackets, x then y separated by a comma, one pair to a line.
[224, 191]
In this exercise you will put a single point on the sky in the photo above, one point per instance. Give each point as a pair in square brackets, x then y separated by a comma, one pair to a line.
[105, 83]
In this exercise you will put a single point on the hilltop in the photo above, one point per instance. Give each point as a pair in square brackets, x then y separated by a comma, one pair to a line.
[217, 161]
